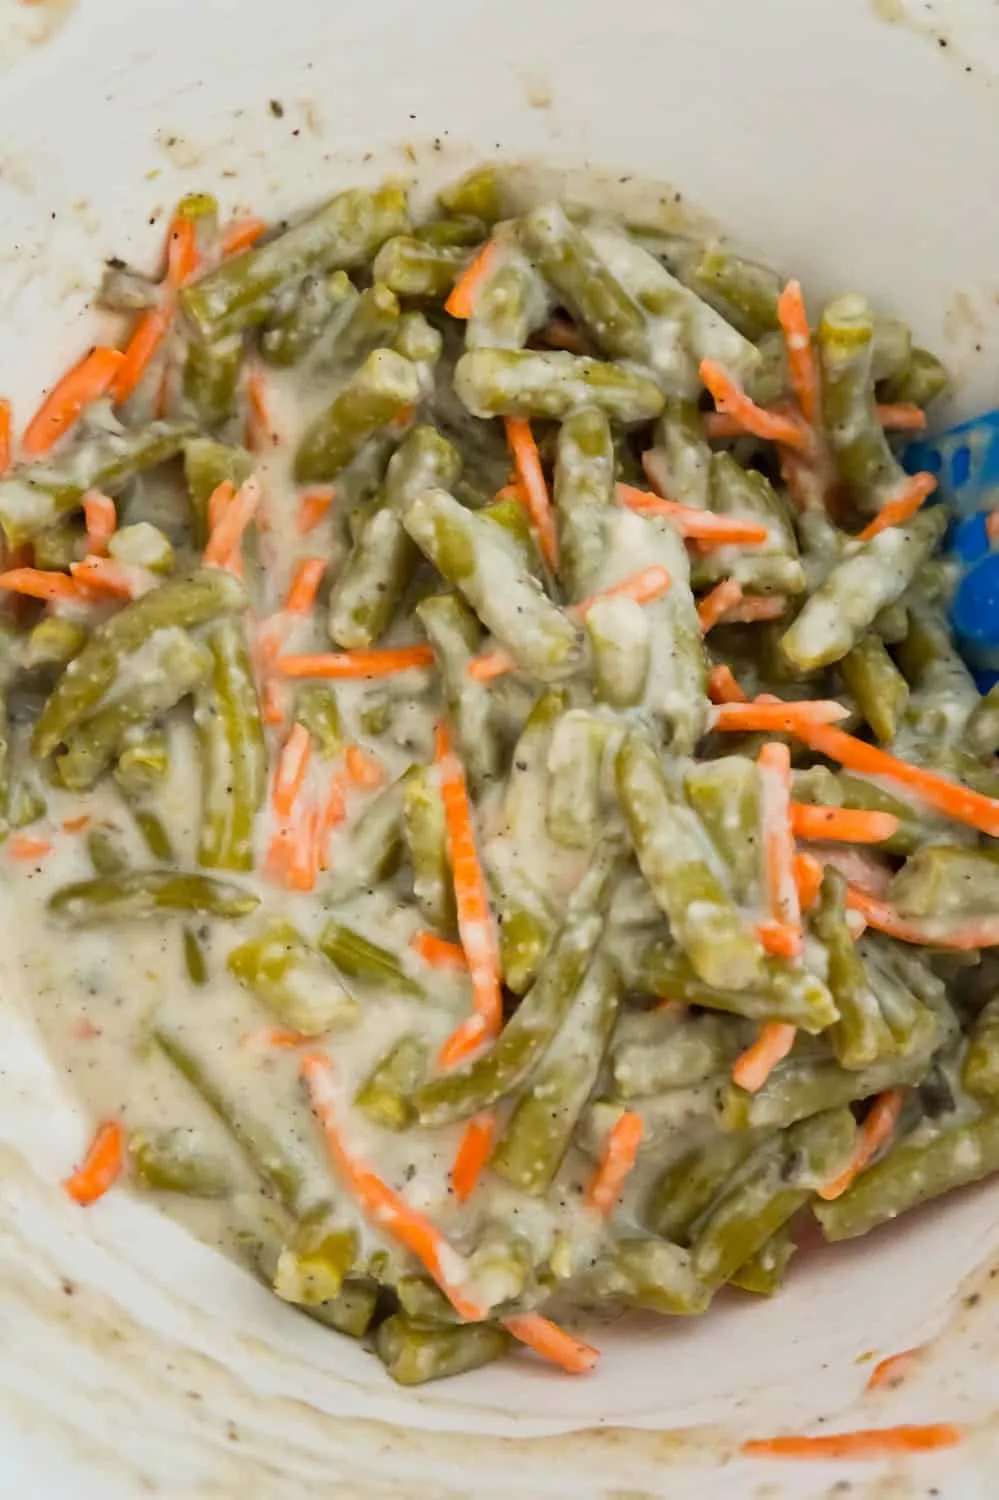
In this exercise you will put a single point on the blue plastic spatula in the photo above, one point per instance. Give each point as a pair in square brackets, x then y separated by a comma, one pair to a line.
[965, 459]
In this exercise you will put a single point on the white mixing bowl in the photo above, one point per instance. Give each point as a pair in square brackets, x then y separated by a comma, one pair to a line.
[854, 144]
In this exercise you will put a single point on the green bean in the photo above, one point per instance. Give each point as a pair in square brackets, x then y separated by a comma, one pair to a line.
[980, 1069]
[866, 464]
[510, 304]
[944, 694]
[142, 895]
[123, 289]
[345, 233]
[425, 832]
[880, 690]
[777, 1182]
[414, 1353]
[537, 1135]
[764, 1272]
[676, 1053]
[920, 380]
[360, 959]
[153, 834]
[668, 1120]
[311, 1270]
[177, 665]
[105, 853]
[379, 393]
[682, 1195]
[293, 981]
[385, 1094]
[58, 546]
[211, 378]
[372, 846]
[367, 322]
[377, 572]
[143, 545]
[837, 613]
[422, 344]
[182, 603]
[575, 775]
[318, 708]
[620, 639]
[675, 859]
[293, 333]
[745, 495]
[552, 384]
[458, 229]
[481, 561]
[207, 464]
[233, 752]
[836, 789]
[947, 880]
[584, 494]
[168, 1161]
[143, 764]
[54, 642]
[194, 958]
[680, 457]
[725, 795]
[454, 633]
[744, 293]
[982, 731]
[913, 1173]
[861, 1036]
[648, 1274]
[481, 192]
[422, 1300]
[35, 496]
[512, 1059]
[411, 267]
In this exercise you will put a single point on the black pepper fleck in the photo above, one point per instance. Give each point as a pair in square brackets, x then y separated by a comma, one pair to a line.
[277, 109]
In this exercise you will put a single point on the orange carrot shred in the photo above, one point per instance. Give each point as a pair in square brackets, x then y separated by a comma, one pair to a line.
[731, 399]
[753, 1067]
[808, 879]
[182, 250]
[88, 380]
[267, 1038]
[101, 1167]
[6, 435]
[842, 824]
[802, 363]
[461, 302]
[26, 846]
[364, 769]
[775, 718]
[490, 665]
[240, 235]
[961, 936]
[645, 586]
[909, 497]
[755, 607]
[779, 939]
[531, 481]
[103, 575]
[616, 1162]
[305, 586]
[258, 421]
[273, 702]
[723, 688]
[34, 583]
[892, 1370]
[219, 501]
[101, 519]
[437, 952]
[226, 537]
[76, 825]
[144, 344]
[314, 509]
[778, 840]
[902, 416]
[715, 606]
[876, 1131]
[552, 1343]
[357, 664]
[463, 1043]
[694, 524]
[293, 764]
[510, 492]
[877, 1442]
[473, 1153]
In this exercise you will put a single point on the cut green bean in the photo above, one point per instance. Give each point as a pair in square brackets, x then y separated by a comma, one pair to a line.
[411, 267]
[764, 1272]
[584, 494]
[372, 846]
[861, 1035]
[647, 1274]
[379, 393]
[233, 752]
[385, 1095]
[415, 1353]
[682, 1195]
[575, 778]
[425, 833]
[143, 895]
[169, 1161]
[880, 690]
[207, 464]
[866, 463]
[318, 301]
[364, 961]
[529, 383]
[293, 981]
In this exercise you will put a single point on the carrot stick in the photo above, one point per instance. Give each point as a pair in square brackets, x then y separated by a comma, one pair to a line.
[892, 1370]
[293, 763]
[842, 824]
[357, 664]
[778, 840]
[143, 345]
[779, 939]
[756, 607]
[553, 1343]
[461, 302]
[695, 525]
[976, 932]
[273, 702]
[224, 542]
[531, 480]
[510, 492]
[716, 605]
[87, 381]
[876, 1442]
[33, 583]
[808, 879]
[731, 399]
[103, 575]
[364, 769]
[876, 1131]
[753, 1067]
[382, 1206]
[305, 586]
[6, 435]
[490, 665]
[101, 519]
[723, 688]
[219, 501]
[268, 1038]
[775, 718]
[437, 952]
[314, 509]
[76, 825]
[464, 1042]
[240, 235]
[303, 850]
[26, 846]
[258, 421]
[949, 797]
[802, 364]
[645, 586]
[475, 923]
[473, 1153]
[908, 499]
[616, 1162]
[181, 251]
[902, 416]
[101, 1166]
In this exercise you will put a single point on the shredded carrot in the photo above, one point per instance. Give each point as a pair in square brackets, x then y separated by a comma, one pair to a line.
[437, 952]
[101, 519]
[808, 879]
[801, 362]
[473, 1153]
[463, 1043]
[723, 688]
[273, 702]
[27, 846]
[645, 586]
[34, 583]
[76, 825]
[490, 665]
[778, 840]
[475, 922]
[103, 575]
[304, 850]
[902, 416]
[226, 537]
[314, 509]
[693, 524]
[272, 1038]
[716, 605]
[219, 501]
[842, 824]
[356, 664]
[293, 764]
[335, 806]
[616, 1162]
[876, 1442]
[949, 797]
[386, 1210]
[101, 1167]
[511, 491]
[461, 302]
[240, 235]
[876, 1131]
[531, 480]
[909, 496]
[305, 586]
[560, 333]
[6, 435]
[552, 1343]
[144, 344]
[258, 421]
[88, 380]
[731, 399]
[892, 1370]
[279, 854]
[364, 769]
[182, 250]
[961, 937]
[755, 607]
[779, 939]
[753, 1067]
[775, 718]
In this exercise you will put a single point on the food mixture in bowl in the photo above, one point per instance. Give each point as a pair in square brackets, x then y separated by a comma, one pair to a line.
[495, 823]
